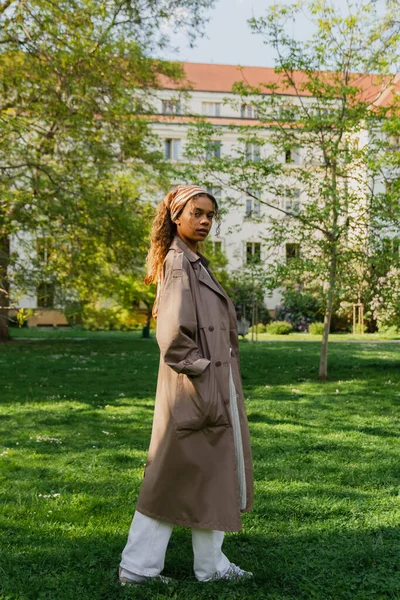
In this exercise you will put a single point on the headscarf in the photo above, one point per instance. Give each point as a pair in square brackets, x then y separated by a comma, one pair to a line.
[176, 199]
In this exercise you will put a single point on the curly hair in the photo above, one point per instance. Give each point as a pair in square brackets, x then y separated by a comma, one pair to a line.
[162, 233]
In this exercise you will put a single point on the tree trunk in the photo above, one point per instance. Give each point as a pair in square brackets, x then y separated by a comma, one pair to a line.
[4, 288]
[323, 363]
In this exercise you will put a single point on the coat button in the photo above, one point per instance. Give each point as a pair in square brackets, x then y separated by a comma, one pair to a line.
[218, 363]
[211, 328]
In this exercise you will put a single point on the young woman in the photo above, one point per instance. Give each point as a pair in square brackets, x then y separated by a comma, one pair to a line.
[199, 469]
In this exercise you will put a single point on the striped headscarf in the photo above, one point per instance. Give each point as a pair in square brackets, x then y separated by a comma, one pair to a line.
[176, 199]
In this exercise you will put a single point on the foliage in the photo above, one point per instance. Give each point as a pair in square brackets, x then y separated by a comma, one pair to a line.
[316, 328]
[299, 308]
[321, 132]
[279, 328]
[218, 261]
[386, 303]
[389, 331]
[247, 288]
[259, 328]
[78, 160]
[112, 318]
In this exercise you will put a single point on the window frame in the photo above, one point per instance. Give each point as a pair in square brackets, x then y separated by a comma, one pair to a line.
[295, 255]
[211, 109]
[174, 144]
[250, 109]
[213, 149]
[175, 105]
[254, 246]
[253, 205]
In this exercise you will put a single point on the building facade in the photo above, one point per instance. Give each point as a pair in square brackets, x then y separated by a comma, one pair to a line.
[208, 93]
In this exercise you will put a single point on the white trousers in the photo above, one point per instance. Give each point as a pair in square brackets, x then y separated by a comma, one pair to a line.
[148, 538]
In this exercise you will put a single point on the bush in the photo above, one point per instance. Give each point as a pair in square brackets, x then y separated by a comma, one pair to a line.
[316, 328]
[299, 308]
[259, 328]
[357, 330]
[385, 304]
[73, 313]
[113, 318]
[279, 328]
[388, 330]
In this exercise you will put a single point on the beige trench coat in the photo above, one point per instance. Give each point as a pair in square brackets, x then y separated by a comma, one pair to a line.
[191, 475]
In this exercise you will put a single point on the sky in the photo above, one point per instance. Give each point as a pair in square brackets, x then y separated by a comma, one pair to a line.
[228, 38]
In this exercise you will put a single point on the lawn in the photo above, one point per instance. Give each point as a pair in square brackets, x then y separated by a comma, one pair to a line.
[75, 422]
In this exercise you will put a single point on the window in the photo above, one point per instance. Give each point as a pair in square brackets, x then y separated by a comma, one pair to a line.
[45, 295]
[171, 107]
[391, 247]
[253, 152]
[392, 197]
[216, 246]
[292, 156]
[288, 156]
[172, 149]
[44, 247]
[253, 205]
[213, 150]
[215, 191]
[247, 111]
[394, 143]
[287, 113]
[253, 252]
[292, 201]
[292, 252]
[211, 109]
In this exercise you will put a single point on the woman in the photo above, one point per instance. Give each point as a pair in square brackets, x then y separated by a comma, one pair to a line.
[199, 469]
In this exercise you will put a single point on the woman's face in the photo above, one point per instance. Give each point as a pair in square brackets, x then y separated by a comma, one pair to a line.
[195, 221]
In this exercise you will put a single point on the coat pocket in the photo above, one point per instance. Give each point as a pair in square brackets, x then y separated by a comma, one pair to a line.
[197, 403]
[189, 407]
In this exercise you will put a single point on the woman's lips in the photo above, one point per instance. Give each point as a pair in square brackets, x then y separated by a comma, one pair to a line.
[202, 231]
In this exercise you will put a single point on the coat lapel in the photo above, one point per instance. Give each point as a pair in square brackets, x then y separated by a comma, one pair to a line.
[206, 278]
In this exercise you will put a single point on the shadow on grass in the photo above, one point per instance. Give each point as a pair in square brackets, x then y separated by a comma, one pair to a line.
[326, 470]
[340, 565]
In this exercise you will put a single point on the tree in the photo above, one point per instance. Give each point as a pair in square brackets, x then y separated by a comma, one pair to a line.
[318, 138]
[77, 85]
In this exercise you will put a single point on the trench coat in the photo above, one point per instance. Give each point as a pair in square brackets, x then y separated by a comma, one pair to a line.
[191, 476]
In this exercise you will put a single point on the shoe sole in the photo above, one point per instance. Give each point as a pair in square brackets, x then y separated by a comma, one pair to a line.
[126, 581]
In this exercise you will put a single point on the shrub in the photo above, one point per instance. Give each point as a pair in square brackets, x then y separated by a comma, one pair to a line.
[112, 318]
[389, 330]
[259, 328]
[299, 308]
[386, 303]
[279, 328]
[316, 328]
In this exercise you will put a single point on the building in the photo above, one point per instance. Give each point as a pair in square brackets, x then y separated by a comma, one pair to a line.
[209, 94]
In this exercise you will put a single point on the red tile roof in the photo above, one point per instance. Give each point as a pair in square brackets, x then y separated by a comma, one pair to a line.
[220, 78]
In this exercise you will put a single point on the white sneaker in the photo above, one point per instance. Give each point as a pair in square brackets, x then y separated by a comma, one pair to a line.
[128, 578]
[233, 573]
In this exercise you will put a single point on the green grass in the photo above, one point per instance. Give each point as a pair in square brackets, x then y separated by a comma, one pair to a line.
[76, 332]
[75, 422]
